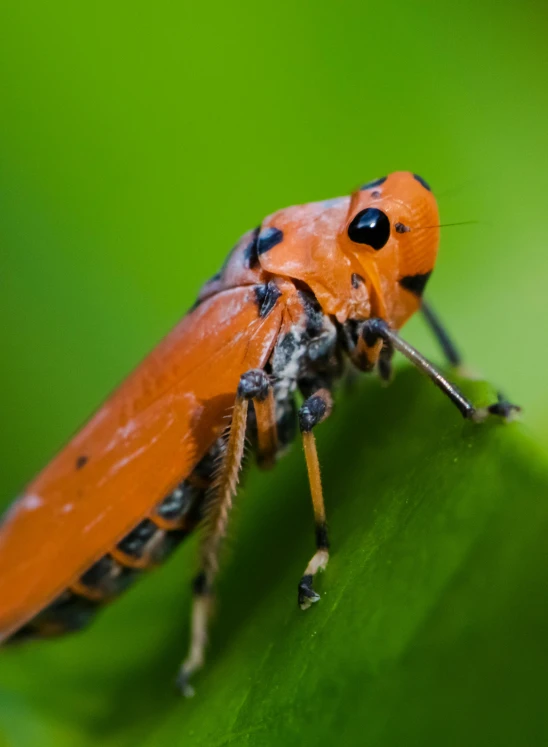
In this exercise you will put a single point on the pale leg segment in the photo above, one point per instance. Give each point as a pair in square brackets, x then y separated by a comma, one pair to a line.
[313, 412]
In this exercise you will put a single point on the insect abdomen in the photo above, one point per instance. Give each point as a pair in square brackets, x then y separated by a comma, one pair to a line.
[146, 546]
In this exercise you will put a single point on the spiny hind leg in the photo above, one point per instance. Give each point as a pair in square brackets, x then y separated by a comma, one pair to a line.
[254, 385]
[315, 409]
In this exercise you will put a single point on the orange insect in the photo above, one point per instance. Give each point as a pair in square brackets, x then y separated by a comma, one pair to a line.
[312, 288]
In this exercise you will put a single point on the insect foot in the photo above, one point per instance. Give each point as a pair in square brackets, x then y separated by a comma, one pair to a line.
[307, 595]
[502, 409]
[183, 684]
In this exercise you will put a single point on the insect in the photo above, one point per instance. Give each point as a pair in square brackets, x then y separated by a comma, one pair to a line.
[313, 289]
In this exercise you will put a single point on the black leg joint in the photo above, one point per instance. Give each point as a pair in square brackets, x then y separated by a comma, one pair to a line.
[322, 539]
[254, 384]
[312, 412]
[200, 585]
[374, 330]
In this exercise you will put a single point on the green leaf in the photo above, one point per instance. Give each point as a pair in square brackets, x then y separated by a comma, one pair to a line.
[431, 629]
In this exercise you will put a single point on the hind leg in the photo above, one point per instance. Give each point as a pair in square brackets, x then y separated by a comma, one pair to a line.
[254, 385]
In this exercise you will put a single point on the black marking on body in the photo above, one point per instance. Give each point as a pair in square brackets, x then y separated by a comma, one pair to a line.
[108, 577]
[286, 422]
[269, 238]
[266, 296]
[415, 284]
[313, 312]
[284, 352]
[357, 280]
[81, 461]
[422, 181]
[206, 468]
[169, 543]
[94, 576]
[251, 256]
[374, 183]
[69, 612]
[134, 544]
[179, 502]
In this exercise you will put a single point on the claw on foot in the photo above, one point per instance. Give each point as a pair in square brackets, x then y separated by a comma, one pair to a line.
[307, 596]
[183, 684]
[502, 409]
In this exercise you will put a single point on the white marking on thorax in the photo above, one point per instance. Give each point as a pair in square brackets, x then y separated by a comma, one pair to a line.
[30, 502]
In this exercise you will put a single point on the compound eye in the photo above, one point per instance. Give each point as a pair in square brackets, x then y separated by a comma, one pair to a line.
[371, 227]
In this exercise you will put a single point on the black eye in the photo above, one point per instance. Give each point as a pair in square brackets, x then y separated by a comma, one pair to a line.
[371, 227]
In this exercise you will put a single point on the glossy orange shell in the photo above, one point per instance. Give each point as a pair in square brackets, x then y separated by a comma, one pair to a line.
[154, 429]
[143, 441]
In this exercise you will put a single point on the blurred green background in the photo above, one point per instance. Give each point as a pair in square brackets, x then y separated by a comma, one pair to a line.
[139, 140]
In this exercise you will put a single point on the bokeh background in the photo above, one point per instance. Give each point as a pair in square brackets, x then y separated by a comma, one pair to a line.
[139, 140]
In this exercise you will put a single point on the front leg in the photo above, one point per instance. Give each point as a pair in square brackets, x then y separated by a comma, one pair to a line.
[315, 409]
[375, 330]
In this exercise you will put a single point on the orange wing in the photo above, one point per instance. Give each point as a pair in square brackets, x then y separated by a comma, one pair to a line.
[143, 441]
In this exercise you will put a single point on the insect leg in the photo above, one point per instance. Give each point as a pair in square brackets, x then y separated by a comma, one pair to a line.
[449, 348]
[447, 345]
[315, 409]
[378, 329]
[267, 430]
[254, 385]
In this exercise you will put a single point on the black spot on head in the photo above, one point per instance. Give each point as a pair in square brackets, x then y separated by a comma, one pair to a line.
[421, 181]
[251, 255]
[268, 238]
[374, 183]
[266, 296]
[81, 461]
[415, 283]
[401, 228]
[357, 280]
[376, 193]
[370, 226]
